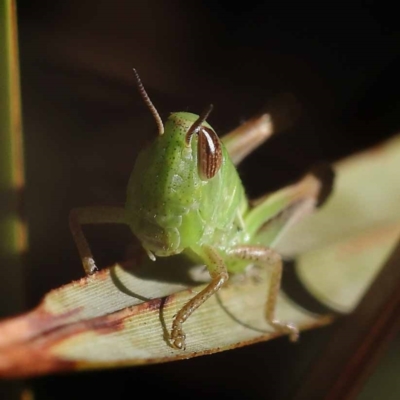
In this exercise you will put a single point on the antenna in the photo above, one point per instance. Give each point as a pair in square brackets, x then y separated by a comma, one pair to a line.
[197, 124]
[148, 103]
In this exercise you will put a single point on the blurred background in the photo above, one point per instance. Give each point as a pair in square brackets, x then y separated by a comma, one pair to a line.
[84, 124]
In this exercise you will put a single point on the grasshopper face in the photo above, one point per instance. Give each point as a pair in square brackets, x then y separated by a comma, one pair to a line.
[167, 183]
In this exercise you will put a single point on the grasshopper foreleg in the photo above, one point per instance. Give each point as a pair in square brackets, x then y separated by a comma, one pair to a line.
[219, 276]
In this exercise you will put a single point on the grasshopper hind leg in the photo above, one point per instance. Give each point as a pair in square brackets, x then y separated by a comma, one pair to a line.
[266, 256]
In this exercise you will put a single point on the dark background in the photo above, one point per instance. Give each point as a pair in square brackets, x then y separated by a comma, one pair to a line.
[84, 124]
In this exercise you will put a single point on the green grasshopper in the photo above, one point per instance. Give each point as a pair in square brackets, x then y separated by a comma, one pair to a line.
[185, 196]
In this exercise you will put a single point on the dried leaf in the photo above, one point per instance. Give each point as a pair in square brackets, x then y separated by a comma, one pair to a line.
[352, 236]
[102, 321]
[122, 315]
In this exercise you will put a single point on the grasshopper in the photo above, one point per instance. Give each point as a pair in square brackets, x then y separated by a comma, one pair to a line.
[185, 196]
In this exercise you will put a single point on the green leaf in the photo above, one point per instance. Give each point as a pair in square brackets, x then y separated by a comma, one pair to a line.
[12, 228]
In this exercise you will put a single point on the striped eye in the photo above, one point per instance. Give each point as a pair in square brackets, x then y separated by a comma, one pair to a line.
[209, 153]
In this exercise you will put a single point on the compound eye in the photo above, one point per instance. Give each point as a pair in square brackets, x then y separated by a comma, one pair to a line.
[209, 153]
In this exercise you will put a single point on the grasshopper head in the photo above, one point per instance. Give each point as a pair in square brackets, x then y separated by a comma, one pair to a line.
[165, 191]
[166, 188]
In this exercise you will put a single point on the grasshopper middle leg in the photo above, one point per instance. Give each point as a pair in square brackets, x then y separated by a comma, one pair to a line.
[267, 256]
[92, 215]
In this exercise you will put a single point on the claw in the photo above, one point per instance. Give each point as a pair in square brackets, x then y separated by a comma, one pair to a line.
[179, 343]
[293, 333]
[89, 265]
[287, 328]
[178, 339]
